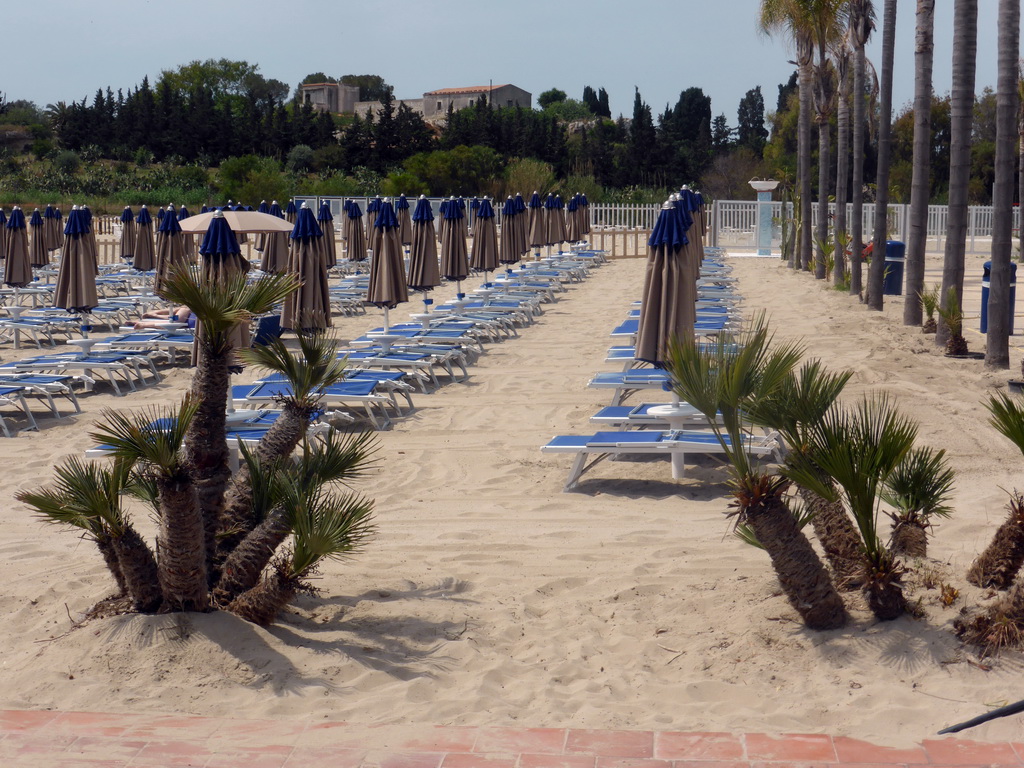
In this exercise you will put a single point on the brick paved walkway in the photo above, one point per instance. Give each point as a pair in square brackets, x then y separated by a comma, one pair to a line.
[62, 739]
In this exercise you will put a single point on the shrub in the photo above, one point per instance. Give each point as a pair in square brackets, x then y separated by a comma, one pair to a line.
[300, 158]
[67, 161]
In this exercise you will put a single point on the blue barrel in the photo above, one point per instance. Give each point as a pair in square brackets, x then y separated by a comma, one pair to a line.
[986, 277]
[895, 258]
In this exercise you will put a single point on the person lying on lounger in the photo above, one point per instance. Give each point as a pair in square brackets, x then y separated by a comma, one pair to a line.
[159, 318]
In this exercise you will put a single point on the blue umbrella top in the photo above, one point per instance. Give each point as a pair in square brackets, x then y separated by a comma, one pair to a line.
[263, 207]
[475, 204]
[169, 223]
[535, 201]
[510, 207]
[451, 210]
[443, 208]
[461, 202]
[402, 204]
[700, 198]
[204, 209]
[17, 219]
[183, 213]
[290, 208]
[50, 212]
[386, 217]
[85, 213]
[126, 214]
[305, 225]
[37, 219]
[160, 213]
[143, 217]
[484, 209]
[219, 238]
[520, 203]
[558, 202]
[423, 211]
[549, 201]
[245, 207]
[374, 205]
[354, 211]
[275, 210]
[668, 230]
[682, 211]
[574, 203]
[76, 225]
[689, 199]
[3, 218]
[324, 213]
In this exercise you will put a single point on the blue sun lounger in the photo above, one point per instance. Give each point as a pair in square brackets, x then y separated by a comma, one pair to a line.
[626, 382]
[344, 394]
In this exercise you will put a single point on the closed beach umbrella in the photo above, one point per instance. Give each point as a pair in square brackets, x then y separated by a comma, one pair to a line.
[261, 238]
[554, 220]
[387, 287]
[485, 240]
[454, 261]
[308, 308]
[404, 221]
[145, 259]
[275, 249]
[693, 250]
[290, 212]
[18, 268]
[221, 258]
[464, 221]
[354, 232]
[424, 272]
[372, 209]
[474, 207]
[51, 228]
[326, 221]
[668, 303]
[188, 239]
[584, 215]
[92, 249]
[572, 220]
[38, 256]
[128, 234]
[76, 278]
[509, 251]
[3, 233]
[537, 235]
[170, 249]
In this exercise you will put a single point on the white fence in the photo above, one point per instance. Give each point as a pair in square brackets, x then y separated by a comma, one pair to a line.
[734, 223]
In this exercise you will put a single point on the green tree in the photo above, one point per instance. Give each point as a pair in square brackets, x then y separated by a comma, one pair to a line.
[371, 87]
[750, 130]
[550, 97]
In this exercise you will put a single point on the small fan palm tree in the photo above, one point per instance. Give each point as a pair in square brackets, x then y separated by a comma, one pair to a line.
[919, 490]
[859, 449]
[277, 484]
[929, 303]
[799, 403]
[723, 379]
[953, 318]
[1002, 559]
[87, 496]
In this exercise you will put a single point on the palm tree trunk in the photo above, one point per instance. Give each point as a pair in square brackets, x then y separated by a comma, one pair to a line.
[877, 272]
[999, 564]
[804, 165]
[804, 579]
[266, 600]
[920, 186]
[140, 571]
[823, 169]
[842, 169]
[838, 537]
[182, 537]
[997, 350]
[245, 564]
[857, 181]
[883, 589]
[109, 554]
[965, 46]
[909, 538]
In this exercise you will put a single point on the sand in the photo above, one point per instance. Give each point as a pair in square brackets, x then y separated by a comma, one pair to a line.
[489, 596]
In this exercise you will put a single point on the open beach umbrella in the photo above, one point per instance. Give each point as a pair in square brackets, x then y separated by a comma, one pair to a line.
[290, 212]
[240, 222]
[170, 248]
[188, 239]
[668, 302]
[326, 221]
[145, 259]
[387, 287]
[308, 308]
[128, 234]
[18, 268]
[275, 249]
[537, 232]
[51, 228]
[454, 260]
[424, 272]
[404, 222]
[485, 240]
[76, 278]
[354, 232]
[509, 251]
[38, 256]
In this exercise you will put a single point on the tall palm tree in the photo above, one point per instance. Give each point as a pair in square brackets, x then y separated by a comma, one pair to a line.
[1020, 162]
[877, 272]
[920, 186]
[862, 23]
[792, 18]
[965, 48]
[721, 381]
[997, 349]
[843, 56]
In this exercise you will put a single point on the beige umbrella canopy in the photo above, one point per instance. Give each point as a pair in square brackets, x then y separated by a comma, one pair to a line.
[668, 303]
[170, 249]
[52, 230]
[239, 221]
[424, 272]
[307, 309]
[275, 246]
[485, 239]
[454, 260]
[353, 231]
[573, 227]
[387, 288]
[76, 278]
[145, 252]
[325, 219]
[537, 232]
[554, 221]
[17, 268]
[404, 221]
[128, 234]
[509, 247]
[38, 256]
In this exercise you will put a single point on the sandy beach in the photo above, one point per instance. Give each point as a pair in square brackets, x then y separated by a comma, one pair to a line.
[489, 596]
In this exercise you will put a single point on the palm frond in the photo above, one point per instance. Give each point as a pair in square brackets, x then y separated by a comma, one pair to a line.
[328, 526]
[267, 493]
[316, 366]
[85, 496]
[921, 484]
[336, 457]
[1007, 418]
[152, 435]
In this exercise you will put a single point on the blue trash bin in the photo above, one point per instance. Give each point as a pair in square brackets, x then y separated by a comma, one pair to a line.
[895, 258]
[986, 277]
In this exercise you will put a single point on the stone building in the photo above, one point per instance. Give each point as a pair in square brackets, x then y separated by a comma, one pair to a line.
[330, 97]
[436, 103]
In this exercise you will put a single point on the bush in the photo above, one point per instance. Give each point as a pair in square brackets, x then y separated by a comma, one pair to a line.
[42, 148]
[143, 156]
[459, 171]
[67, 161]
[400, 182]
[300, 158]
[334, 185]
[331, 156]
[526, 175]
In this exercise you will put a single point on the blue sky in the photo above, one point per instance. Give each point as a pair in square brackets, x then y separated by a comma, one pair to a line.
[660, 46]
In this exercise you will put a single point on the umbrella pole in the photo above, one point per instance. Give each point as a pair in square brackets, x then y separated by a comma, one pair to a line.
[385, 319]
